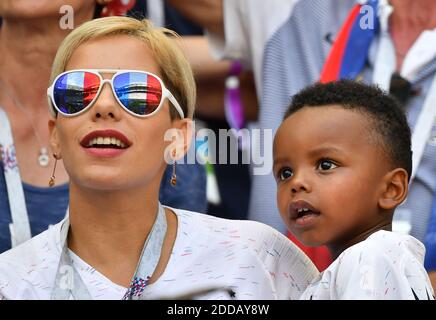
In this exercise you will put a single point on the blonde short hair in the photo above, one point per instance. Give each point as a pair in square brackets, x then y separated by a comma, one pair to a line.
[175, 69]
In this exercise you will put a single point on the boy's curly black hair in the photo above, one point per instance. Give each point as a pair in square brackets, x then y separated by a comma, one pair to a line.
[389, 122]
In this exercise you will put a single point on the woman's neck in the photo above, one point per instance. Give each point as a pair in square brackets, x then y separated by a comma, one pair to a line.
[108, 229]
[408, 20]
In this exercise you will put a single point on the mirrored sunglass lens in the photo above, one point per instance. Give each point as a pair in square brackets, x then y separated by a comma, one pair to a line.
[74, 91]
[141, 93]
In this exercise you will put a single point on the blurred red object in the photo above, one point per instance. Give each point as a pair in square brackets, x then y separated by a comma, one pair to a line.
[117, 8]
[320, 256]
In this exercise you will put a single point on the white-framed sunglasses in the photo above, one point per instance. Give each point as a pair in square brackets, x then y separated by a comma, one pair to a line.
[138, 92]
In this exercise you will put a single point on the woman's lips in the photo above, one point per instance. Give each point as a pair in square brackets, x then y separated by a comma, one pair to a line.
[109, 134]
[105, 143]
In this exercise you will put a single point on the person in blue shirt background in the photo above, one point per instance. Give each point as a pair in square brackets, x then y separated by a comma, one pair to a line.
[430, 245]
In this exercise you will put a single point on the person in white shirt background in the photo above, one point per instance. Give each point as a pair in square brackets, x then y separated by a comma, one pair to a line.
[114, 151]
[342, 162]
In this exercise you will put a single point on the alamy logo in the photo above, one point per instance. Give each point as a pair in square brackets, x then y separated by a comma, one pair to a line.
[67, 19]
[367, 20]
[256, 144]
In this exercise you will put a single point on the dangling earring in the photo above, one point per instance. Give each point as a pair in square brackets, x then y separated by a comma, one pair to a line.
[173, 179]
[52, 180]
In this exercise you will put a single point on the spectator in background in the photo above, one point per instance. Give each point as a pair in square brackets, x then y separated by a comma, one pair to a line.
[289, 50]
[430, 245]
[231, 198]
[29, 37]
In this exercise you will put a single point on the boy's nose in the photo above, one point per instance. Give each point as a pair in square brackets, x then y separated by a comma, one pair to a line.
[299, 183]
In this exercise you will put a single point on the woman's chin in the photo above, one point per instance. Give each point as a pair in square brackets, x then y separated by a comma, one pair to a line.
[104, 182]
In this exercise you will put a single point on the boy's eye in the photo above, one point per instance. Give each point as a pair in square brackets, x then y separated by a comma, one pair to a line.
[285, 173]
[326, 165]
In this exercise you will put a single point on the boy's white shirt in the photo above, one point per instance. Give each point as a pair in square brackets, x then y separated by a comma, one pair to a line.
[386, 265]
[254, 260]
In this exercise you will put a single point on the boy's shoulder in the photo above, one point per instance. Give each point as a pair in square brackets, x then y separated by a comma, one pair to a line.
[282, 261]
[261, 238]
[386, 265]
[248, 232]
[387, 246]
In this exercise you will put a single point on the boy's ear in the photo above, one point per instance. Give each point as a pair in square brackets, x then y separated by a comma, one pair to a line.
[395, 187]
[54, 138]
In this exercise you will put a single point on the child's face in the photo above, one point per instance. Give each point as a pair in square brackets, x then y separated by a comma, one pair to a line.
[325, 162]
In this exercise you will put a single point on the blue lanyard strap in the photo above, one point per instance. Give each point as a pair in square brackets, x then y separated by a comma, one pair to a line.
[20, 226]
[349, 53]
[69, 285]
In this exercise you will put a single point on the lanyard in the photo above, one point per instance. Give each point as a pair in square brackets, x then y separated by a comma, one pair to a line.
[349, 53]
[70, 286]
[20, 226]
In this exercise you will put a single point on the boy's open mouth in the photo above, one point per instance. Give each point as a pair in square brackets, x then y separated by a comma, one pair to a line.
[301, 209]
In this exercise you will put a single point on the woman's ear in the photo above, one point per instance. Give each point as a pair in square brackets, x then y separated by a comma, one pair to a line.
[395, 187]
[181, 137]
[54, 139]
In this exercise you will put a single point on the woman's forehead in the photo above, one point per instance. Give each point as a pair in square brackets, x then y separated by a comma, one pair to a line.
[114, 52]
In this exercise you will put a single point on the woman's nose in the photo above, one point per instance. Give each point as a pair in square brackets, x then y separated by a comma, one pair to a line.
[106, 106]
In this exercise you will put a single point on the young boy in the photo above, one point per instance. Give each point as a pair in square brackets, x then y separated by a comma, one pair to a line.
[342, 162]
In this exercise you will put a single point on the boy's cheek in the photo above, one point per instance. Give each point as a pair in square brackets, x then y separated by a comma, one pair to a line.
[282, 201]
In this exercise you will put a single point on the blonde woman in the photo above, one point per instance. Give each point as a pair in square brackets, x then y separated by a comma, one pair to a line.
[30, 35]
[118, 85]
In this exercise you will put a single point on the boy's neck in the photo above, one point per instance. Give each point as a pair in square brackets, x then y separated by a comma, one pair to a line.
[337, 248]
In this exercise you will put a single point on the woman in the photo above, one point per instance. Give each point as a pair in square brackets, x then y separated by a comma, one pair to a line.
[30, 34]
[118, 86]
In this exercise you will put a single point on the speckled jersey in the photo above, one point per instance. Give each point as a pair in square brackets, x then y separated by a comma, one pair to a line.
[251, 260]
